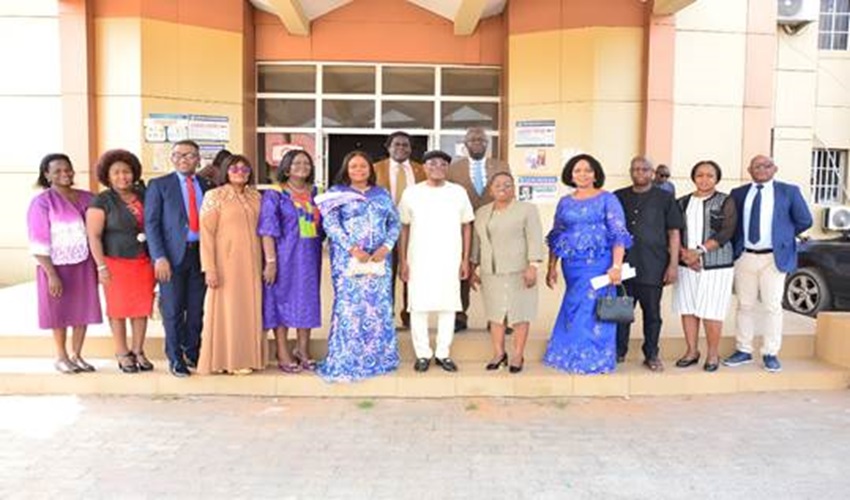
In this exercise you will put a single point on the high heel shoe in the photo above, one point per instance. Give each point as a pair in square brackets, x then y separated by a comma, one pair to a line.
[517, 368]
[143, 362]
[127, 362]
[503, 361]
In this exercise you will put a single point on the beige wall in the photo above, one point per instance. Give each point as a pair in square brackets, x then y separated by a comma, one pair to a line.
[723, 86]
[31, 105]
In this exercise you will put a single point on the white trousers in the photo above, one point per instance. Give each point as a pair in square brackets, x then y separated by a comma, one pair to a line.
[421, 340]
[759, 286]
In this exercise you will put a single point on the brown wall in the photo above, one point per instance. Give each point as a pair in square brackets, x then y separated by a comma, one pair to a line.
[381, 30]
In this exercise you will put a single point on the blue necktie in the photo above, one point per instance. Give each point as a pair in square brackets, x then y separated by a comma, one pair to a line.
[754, 233]
[478, 176]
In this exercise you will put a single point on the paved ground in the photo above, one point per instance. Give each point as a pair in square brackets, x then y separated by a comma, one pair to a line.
[777, 445]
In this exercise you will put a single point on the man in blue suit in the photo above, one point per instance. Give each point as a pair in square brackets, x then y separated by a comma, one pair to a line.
[771, 215]
[172, 209]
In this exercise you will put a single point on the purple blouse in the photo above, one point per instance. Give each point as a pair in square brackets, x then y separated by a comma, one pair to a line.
[57, 227]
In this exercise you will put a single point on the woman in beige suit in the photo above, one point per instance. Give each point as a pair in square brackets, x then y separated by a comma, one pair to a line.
[507, 248]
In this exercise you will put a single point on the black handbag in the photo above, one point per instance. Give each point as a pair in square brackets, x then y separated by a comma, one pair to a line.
[616, 308]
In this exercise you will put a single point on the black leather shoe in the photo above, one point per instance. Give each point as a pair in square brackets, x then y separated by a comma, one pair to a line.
[191, 363]
[686, 362]
[517, 368]
[446, 364]
[503, 361]
[179, 371]
[459, 327]
[422, 365]
[711, 367]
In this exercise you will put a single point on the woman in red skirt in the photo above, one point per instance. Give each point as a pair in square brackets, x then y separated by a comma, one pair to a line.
[115, 225]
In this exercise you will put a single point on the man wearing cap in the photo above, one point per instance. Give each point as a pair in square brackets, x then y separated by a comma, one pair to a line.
[473, 174]
[434, 256]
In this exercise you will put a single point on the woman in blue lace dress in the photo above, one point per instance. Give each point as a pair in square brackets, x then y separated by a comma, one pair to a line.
[589, 237]
[362, 226]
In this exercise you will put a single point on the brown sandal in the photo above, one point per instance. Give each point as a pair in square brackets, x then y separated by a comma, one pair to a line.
[144, 363]
[306, 363]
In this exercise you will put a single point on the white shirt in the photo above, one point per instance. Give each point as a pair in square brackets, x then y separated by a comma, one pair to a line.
[766, 222]
[394, 170]
[435, 248]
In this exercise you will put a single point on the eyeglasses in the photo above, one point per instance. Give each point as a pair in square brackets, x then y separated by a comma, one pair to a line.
[189, 156]
[661, 176]
[763, 166]
[239, 169]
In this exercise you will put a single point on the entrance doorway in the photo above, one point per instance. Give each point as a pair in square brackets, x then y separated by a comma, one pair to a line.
[340, 145]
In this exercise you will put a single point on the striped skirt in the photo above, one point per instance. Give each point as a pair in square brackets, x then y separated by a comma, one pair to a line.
[704, 294]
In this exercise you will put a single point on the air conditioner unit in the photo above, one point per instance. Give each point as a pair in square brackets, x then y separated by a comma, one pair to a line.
[837, 218]
[796, 12]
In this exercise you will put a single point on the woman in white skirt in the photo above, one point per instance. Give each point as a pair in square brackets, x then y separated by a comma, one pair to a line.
[706, 264]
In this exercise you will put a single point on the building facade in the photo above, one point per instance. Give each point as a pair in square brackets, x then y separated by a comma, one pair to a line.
[676, 80]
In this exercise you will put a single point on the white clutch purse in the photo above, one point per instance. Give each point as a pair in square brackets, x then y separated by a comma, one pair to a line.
[369, 268]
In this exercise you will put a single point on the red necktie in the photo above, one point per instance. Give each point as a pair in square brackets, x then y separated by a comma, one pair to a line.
[193, 205]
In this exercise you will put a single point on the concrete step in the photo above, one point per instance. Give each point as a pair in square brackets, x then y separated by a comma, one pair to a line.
[472, 345]
[36, 376]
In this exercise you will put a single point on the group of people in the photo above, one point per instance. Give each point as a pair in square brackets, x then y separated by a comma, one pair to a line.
[233, 263]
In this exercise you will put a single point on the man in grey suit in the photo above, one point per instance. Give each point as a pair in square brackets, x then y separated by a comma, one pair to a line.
[473, 173]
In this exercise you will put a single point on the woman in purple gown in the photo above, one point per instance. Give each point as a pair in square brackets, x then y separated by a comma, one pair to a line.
[66, 278]
[290, 228]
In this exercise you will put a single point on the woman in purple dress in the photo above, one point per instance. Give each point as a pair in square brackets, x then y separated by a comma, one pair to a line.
[290, 228]
[66, 278]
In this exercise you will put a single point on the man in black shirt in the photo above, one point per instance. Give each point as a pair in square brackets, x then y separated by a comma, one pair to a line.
[654, 220]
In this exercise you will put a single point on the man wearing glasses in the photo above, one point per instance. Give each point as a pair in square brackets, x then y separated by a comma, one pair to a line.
[771, 215]
[172, 207]
[662, 179]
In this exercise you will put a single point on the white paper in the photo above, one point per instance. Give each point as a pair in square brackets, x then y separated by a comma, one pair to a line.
[628, 272]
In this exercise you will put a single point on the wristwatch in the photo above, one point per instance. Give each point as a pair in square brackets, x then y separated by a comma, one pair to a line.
[701, 249]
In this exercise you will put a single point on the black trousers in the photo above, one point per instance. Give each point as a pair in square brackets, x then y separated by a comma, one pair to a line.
[649, 298]
[461, 318]
[405, 316]
[181, 303]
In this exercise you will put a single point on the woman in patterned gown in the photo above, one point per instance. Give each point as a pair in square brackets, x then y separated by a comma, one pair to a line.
[290, 228]
[362, 226]
[589, 236]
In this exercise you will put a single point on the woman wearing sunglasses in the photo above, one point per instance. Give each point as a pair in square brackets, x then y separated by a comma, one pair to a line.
[232, 340]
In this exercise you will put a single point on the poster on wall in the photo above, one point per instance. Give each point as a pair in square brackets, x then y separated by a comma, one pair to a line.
[212, 133]
[537, 188]
[534, 134]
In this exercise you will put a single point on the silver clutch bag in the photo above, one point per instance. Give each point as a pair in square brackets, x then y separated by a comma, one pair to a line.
[369, 268]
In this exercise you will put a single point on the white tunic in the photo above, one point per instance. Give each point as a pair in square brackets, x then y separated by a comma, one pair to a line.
[435, 247]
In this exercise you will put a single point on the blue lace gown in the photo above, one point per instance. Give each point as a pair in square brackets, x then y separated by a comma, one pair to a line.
[362, 342]
[583, 236]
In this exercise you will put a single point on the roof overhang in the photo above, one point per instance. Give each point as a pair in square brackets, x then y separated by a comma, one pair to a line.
[296, 15]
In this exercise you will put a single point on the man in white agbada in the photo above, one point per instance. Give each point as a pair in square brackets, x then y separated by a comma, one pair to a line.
[434, 253]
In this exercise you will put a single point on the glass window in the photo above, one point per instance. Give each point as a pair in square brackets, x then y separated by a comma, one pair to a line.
[277, 78]
[346, 113]
[453, 145]
[286, 112]
[407, 114]
[462, 115]
[348, 80]
[471, 82]
[407, 80]
[273, 145]
[829, 169]
[834, 24]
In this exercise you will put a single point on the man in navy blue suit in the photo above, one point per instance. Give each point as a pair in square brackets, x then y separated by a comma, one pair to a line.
[771, 215]
[172, 208]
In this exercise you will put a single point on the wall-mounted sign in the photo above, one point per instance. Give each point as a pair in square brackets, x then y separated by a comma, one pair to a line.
[534, 134]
